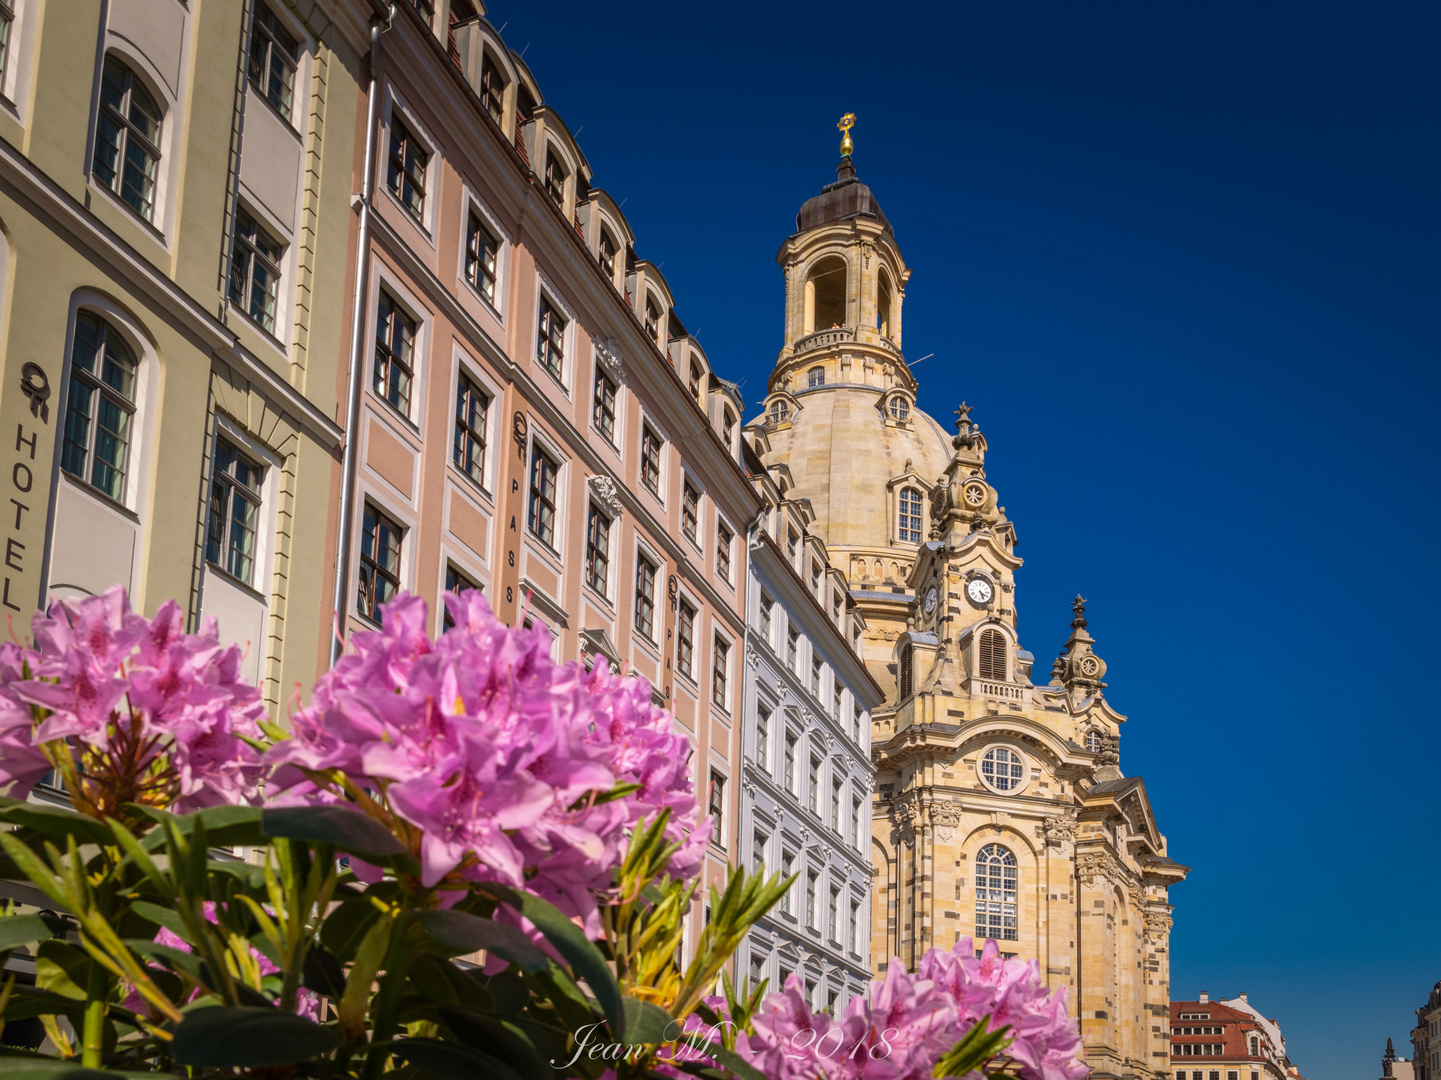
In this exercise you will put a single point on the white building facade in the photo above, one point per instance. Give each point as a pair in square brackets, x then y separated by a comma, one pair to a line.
[806, 776]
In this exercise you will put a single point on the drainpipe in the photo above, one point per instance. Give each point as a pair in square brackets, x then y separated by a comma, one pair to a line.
[357, 326]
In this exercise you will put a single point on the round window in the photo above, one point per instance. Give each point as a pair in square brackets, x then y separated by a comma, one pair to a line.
[1002, 769]
[900, 408]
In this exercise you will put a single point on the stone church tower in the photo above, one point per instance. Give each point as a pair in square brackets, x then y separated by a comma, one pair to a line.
[1001, 809]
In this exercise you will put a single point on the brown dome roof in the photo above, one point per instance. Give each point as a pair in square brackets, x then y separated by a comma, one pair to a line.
[846, 198]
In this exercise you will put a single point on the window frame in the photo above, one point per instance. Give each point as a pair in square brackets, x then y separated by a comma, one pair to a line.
[551, 348]
[651, 440]
[246, 251]
[398, 170]
[102, 392]
[716, 808]
[290, 61]
[725, 551]
[993, 899]
[252, 494]
[537, 500]
[646, 591]
[605, 415]
[722, 651]
[396, 578]
[382, 371]
[126, 130]
[473, 265]
[687, 616]
[815, 377]
[454, 573]
[990, 754]
[910, 515]
[464, 432]
[598, 544]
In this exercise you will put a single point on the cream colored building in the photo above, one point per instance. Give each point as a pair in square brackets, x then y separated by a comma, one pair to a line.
[174, 215]
[1001, 809]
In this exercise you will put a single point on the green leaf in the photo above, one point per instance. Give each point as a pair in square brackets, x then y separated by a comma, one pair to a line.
[55, 822]
[460, 933]
[62, 969]
[494, 1035]
[323, 973]
[579, 951]
[733, 1061]
[345, 928]
[248, 1038]
[32, 1069]
[452, 1061]
[18, 930]
[178, 959]
[27, 1001]
[648, 1023]
[349, 830]
[163, 916]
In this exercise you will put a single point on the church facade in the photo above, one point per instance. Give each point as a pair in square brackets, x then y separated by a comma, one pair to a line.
[1000, 809]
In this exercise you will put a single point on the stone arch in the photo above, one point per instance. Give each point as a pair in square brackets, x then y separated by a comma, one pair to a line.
[825, 294]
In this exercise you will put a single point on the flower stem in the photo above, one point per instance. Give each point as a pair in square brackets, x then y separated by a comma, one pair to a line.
[387, 1000]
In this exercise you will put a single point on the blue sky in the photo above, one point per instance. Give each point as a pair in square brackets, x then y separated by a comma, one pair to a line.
[1183, 260]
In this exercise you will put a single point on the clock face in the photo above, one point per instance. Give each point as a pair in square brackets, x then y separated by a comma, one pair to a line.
[931, 600]
[979, 590]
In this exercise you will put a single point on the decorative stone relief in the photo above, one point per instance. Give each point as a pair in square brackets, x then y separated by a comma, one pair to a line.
[945, 818]
[608, 353]
[607, 492]
[1059, 830]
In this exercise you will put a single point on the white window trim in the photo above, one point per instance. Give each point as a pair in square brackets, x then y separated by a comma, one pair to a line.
[567, 189]
[467, 564]
[688, 477]
[234, 433]
[544, 288]
[641, 549]
[1026, 768]
[472, 202]
[300, 94]
[728, 582]
[553, 449]
[279, 336]
[382, 278]
[597, 367]
[19, 71]
[394, 101]
[647, 420]
[728, 709]
[462, 363]
[612, 545]
[406, 518]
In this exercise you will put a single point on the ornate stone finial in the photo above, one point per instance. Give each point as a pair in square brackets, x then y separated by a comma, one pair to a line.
[963, 416]
[1390, 1052]
[847, 145]
[1078, 605]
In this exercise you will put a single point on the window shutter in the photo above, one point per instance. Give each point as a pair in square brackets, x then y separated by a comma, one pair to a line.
[992, 655]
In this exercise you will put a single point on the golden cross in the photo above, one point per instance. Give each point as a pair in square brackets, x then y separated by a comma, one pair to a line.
[847, 122]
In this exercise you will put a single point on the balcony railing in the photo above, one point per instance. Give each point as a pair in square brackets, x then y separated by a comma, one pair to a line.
[821, 338]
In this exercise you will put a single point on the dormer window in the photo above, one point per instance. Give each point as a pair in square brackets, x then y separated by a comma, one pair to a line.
[607, 254]
[1093, 741]
[900, 408]
[696, 377]
[652, 319]
[728, 427]
[780, 411]
[816, 376]
[555, 179]
[492, 88]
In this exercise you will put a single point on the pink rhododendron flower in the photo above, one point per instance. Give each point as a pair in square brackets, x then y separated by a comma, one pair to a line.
[491, 760]
[145, 712]
[908, 1022]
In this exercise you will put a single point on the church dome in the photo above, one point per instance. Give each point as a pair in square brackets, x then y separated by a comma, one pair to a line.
[846, 198]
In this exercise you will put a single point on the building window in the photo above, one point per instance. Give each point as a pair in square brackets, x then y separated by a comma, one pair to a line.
[790, 763]
[685, 641]
[690, 512]
[767, 615]
[555, 178]
[394, 353]
[720, 665]
[234, 512]
[788, 867]
[492, 88]
[837, 691]
[379, 562]
[758, 853]
[607, 255]
[426, 9]
[406, 171]
[650, 459]
[855, 935]
[856, 718]
[7, 28]
[763, 738]
[602, 413]
[716, 808]
[652, 320]
[724, 539]
[813, 792]
[992, 655]
[1002, 769]
[811, 879]
[645, 572]
[856, 834]
[550, 339]
[274, 53]
[792, 542]
[597, 551]
[696, 375]
[835, 918]
[127, 138]
[728, 428]
[793, 638]
[461, 12]
[100, 406]
[996, 894]
[838, 821]
[780, 412]
[468, 453]
[481, 252]
[1255, 1047]
[816, 677]
[1093, 744]
[455, 582]
[255, 271]
[900, 408]
[910, 519]
[816, 376]
[544, 473]
[906, 663]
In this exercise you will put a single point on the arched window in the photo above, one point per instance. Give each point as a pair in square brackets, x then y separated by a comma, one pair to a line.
[1255, 1046]
[992, 657]
[652, 318]
[996, 893]
[908, 674]
[900, 408]
[1093, 741]
[99, 406]
[883, 304]
[697, 377]
[127, 138]
[728, 427]
[779, 412]
[1003, 769]
[825, 295]
[909, 525]
[816, 376]
[608, 250]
